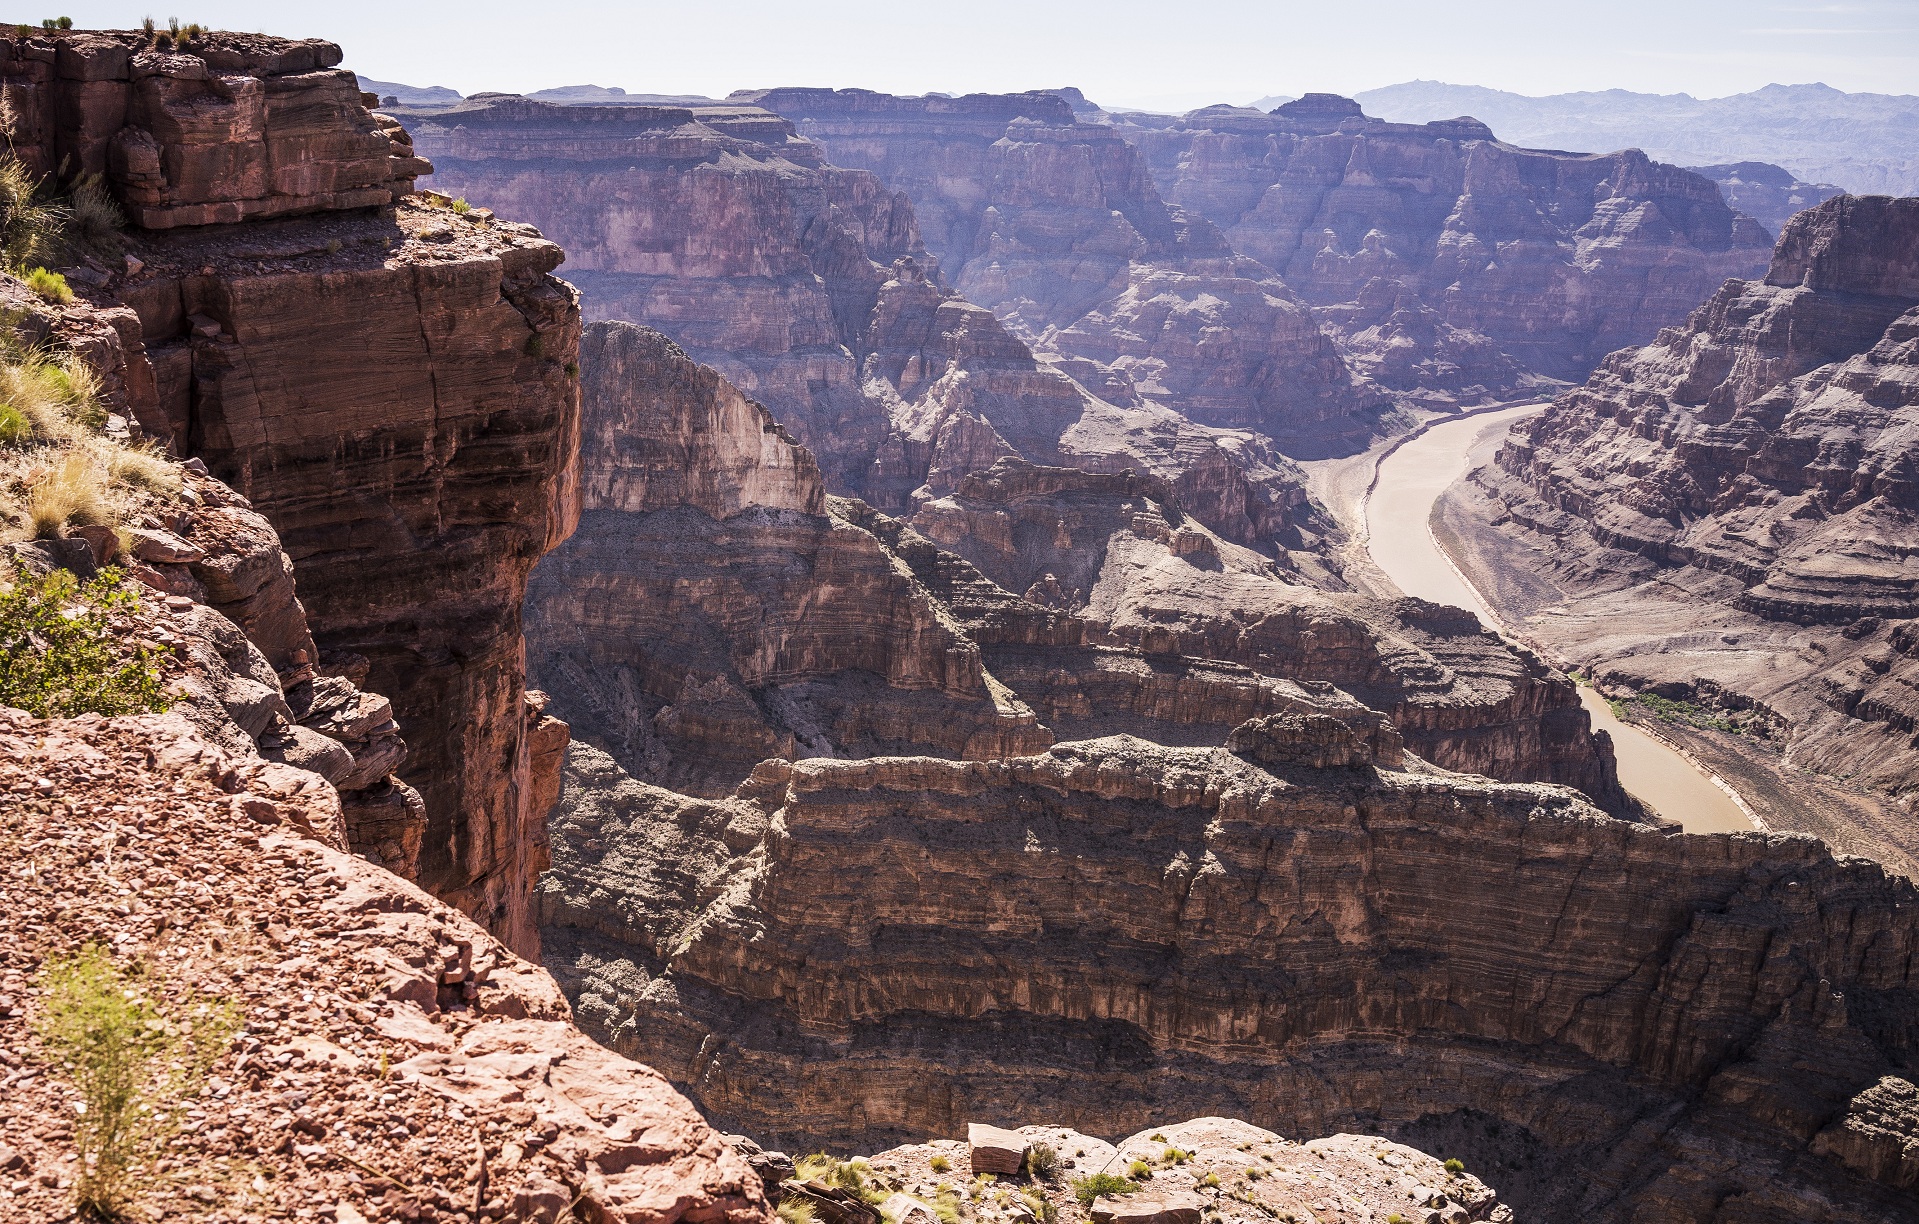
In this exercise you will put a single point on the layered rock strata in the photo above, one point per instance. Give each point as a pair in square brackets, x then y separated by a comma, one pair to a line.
[1736, 501]
[392, 385]
[1056, 226]
[1446, 260]
[388, 1060]
[808, 286]
[1306, 929]
[717, 608]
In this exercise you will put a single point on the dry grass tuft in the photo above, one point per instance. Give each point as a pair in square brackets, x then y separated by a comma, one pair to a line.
[74, 494]
[143, 467]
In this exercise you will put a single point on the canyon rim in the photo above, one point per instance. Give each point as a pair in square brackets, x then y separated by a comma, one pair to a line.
[813, 655]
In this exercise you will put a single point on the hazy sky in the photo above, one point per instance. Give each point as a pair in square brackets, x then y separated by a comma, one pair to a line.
[1172, 54]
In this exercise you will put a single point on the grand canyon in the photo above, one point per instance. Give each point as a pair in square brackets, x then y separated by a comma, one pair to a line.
[848, 657]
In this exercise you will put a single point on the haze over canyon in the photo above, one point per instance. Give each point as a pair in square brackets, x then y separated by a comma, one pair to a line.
[866, 658]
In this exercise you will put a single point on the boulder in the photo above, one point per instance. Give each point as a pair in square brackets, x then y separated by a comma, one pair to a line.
[905, 1209]
[995, 1150]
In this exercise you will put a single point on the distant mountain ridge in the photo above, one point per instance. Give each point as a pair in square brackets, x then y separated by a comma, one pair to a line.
[1867, 143]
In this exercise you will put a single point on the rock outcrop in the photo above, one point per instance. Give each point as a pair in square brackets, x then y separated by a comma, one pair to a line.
[1204, 1168]
[391, 384]
[1609, 1020]
[1056, 226]
[1735, 503]
[1452, 266]
[386, 1058]
[1767, 193]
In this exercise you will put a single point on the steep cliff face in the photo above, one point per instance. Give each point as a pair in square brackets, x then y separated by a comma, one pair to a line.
[1747, 480]
[1303, 929]
[716, 608]
[391, 383]
[712, 610]
[807, 285]
[1056, 226]
[1444, 259]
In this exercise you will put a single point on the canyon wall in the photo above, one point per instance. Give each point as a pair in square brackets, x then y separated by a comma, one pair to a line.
[1735, 502]
[1446, 260]
[1304, 928]
[1057, 227]
[808, 286]
[718, 608]
[392, 384]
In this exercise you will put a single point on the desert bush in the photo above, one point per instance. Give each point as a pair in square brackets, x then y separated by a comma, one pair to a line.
[1455, 1166]
[940, 1164]
[1211, 1179]
[947, 1208]
[129, 1060]
[60, 655]
[1175, 1156]
[460, 206]
[1139, 1170]
[1086, 1189]
[1041, 1160]
[15, 428]
[32, 228]
[94, 217]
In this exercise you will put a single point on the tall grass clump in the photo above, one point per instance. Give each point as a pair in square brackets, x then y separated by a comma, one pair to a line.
[60, 654]
[73, 494]
[32, 227]
[130, 1061]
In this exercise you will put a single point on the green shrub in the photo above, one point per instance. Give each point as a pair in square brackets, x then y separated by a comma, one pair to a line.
[1041, 1160]
[50, 286]
[60, 656]
[947, 1208]
[1086, 1189]
[1455, 1166]
[535, 347]
[1395, 1218]
[461, 206]
[129, 1061]
[15, 428]
[66, 23]
[939, 1164]
[1211, 1179]
[1175, 1156]
[1139, 1170]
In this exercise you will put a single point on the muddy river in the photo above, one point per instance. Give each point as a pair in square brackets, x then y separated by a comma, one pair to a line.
[1401, 543]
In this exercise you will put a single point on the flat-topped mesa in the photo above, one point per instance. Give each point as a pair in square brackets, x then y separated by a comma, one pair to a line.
[209, 130]
[1452, 265]
[852, 951]
[1056, 226]
[1736, 503]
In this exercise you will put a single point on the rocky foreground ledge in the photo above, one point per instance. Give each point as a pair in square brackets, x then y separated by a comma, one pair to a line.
[389, 1060]
[1204, 1171]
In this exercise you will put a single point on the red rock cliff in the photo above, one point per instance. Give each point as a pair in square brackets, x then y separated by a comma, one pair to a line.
[392, 384]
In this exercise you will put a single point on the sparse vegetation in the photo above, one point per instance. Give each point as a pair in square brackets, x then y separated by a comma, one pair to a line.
[60, 655]
[1455, 1166]
[460, 206]
[1211, 1179]
[1175, 1156]
[1139, 1170]
[940, 1164]
[795, 1210]
[1086, 1189]
[49, 286]
[1042, 1207]
[1041, 1161]
[15, 429]
[1395, 1218]
[131, 1060]
[94, 219]
[73, 494]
